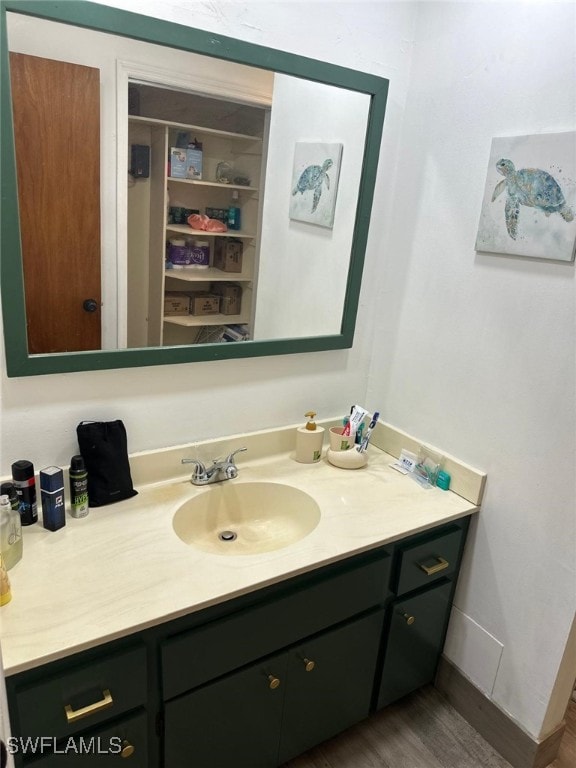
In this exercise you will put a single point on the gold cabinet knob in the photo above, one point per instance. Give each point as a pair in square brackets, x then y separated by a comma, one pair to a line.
[127, 749]
[273, 682]
[408, 618]
[308, 664]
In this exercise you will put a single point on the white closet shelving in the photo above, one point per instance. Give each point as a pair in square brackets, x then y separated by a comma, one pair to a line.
[148, 206]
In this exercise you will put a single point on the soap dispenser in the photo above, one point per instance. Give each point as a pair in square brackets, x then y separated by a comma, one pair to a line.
[309, 439]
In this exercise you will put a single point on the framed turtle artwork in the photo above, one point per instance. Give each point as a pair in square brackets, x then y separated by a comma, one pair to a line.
[315, 177]
[529, 205]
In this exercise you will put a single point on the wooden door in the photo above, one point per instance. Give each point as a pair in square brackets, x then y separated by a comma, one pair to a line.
[56, 109]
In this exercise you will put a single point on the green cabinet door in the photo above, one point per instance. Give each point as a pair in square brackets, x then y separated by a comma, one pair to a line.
[231, 723]
[415, 640]
[104, 747]
[329, 684]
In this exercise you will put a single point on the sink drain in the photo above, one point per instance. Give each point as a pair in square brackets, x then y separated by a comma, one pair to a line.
[227, 535]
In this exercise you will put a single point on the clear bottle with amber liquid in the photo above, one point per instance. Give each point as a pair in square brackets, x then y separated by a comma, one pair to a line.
[5, 591]
[10, 533]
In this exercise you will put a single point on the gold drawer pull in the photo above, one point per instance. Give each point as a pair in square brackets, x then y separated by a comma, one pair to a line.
[308, 664]
[273, 682]
[127, 749]
[72, 715]
[408, 619]
[430, 570]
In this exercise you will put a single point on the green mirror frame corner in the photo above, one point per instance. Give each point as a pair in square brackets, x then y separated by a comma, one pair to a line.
[107, 19]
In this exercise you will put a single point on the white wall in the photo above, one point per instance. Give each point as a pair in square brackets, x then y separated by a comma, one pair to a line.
[473, 353]
[482, 357]
[301, 290]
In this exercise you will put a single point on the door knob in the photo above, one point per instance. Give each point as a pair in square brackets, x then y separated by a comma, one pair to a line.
[308, 664]
[408, 618]
[90, 305]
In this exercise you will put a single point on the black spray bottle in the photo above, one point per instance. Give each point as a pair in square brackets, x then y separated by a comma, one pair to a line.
[78, 487]
[23, 476]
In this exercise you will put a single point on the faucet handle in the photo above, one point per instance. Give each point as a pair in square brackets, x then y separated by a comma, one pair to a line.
[200, 468]
[230, 468]
[230, 458]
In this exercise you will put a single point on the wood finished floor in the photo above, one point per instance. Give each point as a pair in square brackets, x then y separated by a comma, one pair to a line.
[420, 731]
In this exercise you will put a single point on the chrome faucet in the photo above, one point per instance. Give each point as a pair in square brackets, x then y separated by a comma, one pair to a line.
[221, 469]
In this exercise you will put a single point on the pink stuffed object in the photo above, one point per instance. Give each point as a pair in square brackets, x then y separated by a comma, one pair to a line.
[200, 221]
[197, 221]
[214, 225]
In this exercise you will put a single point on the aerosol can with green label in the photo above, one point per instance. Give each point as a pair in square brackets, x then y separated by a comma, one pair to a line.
[78, 487]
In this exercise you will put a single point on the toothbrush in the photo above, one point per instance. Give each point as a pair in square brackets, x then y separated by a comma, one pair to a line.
[366, 439]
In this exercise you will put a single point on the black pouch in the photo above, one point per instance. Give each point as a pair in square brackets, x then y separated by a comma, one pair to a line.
[104, 448]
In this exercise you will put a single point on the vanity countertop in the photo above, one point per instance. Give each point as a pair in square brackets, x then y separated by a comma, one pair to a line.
[123, 569]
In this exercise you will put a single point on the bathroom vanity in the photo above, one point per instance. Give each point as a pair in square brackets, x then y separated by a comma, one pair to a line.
[171, 656]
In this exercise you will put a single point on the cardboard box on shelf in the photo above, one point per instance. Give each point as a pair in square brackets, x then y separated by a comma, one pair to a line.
[204, 303]
[228, 254]
[194, 161]
[231, 297]
[177, 163]
[176, 303]
[221, 214]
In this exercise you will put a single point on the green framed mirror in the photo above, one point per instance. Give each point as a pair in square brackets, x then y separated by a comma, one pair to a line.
[325, 250]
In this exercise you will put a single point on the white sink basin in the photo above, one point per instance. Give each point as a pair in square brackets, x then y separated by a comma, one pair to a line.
[232, 518]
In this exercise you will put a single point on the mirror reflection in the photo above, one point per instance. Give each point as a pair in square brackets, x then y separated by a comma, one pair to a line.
[172, 199]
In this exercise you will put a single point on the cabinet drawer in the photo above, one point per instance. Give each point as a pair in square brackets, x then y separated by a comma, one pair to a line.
[83, 696]
[102, 747]
[424, 562]
[194, 657]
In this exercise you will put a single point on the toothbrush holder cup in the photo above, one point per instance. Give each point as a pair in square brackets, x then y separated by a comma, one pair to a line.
[338, 441]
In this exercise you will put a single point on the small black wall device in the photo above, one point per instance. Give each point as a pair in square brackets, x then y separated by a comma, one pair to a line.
[140, 160]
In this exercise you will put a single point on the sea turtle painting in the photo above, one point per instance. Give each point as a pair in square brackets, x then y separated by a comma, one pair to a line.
[313, 178]
[531, 187]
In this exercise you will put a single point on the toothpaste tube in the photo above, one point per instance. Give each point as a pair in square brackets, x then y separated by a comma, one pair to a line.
[356, 418]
